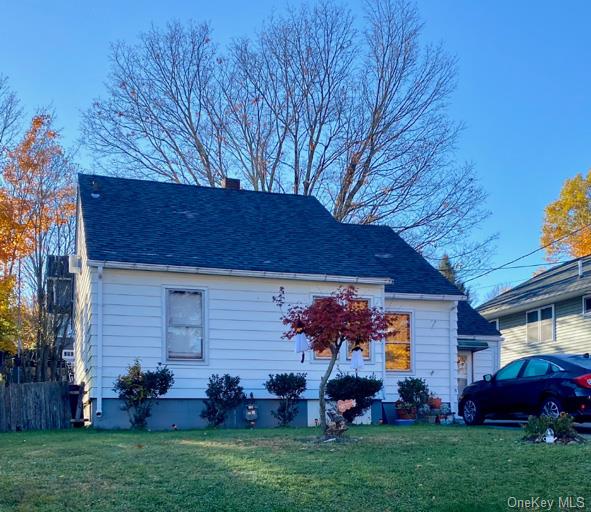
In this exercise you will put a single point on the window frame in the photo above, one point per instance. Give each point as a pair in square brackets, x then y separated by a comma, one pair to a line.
[496, 323]
[411, 370]
[204, 360]
[539, 323]
[342, 356]
[586, 314]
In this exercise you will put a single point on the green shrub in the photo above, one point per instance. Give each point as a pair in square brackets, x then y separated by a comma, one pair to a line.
[360, 389]
[140, 389]
[223, 394]
[413, 391]
[537, 426]
[288, 387]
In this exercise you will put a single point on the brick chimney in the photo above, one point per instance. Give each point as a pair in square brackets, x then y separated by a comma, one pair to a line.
[231, 183]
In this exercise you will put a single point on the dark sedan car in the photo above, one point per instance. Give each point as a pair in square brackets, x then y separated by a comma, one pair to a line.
[538, 385]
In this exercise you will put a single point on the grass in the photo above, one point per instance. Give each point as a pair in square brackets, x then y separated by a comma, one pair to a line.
[387, 469]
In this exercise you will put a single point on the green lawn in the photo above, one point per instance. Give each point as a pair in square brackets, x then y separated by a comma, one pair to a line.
[389, 468]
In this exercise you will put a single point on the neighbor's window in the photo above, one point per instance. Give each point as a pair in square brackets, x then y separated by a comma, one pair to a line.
[587, 305]
[184, 325]
[365, 346]
[398, 342]
[540, 324]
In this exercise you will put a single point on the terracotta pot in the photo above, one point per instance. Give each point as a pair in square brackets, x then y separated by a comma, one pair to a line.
[404, 413]
[435, 403]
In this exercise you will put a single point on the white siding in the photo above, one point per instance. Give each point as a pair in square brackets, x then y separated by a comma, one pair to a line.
[431, 324]
[572, 332]
[84, 315]
[486, 361]
[242, 329]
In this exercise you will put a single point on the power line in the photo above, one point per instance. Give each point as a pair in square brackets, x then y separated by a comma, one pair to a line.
[528, 254]
[542, 264]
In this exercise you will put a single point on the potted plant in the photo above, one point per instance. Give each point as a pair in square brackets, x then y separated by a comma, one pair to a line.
[413, 393]
[405, 410]
[434, 402]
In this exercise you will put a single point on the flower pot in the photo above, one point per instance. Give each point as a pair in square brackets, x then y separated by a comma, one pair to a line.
[435, 402]
[406, 413]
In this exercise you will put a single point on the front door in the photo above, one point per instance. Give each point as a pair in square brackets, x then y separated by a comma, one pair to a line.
[464, 369]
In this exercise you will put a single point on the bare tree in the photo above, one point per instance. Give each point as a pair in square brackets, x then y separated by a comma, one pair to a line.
[310, 105]
[10, 115]
[156, 120]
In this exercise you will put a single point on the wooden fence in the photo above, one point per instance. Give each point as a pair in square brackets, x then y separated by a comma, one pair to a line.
[34, 406]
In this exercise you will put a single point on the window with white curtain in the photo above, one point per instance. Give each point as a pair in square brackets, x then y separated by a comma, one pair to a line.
[184, 325]
[540, 324]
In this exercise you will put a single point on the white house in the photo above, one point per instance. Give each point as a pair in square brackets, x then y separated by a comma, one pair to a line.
[186, 275]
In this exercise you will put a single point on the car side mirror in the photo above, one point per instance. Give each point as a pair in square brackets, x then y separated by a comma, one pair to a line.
[488, 377]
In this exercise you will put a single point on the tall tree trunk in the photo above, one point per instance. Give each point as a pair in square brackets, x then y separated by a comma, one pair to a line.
[334, 350]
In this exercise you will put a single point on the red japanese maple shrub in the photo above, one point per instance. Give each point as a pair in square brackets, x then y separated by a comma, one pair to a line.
[331, 322]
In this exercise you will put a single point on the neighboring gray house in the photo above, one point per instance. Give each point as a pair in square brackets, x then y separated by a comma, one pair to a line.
[550, 312]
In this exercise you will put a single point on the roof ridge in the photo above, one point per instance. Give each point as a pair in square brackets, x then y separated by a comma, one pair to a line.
[206, 187]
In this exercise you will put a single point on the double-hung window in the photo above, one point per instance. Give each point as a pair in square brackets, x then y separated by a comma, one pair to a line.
[365, 346]
[398, 342]
[184, 325]
[540, 324]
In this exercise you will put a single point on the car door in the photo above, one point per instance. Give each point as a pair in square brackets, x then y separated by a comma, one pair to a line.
[501, 394]
[530, 384]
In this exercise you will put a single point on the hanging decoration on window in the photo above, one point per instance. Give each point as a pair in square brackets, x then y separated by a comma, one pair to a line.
[301, 342]
[357, 362]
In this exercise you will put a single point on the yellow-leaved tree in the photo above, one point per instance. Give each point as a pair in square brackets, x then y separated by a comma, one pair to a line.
[568, 220]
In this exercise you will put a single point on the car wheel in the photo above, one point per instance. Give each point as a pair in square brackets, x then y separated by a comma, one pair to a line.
[471, 413]
[551, 407]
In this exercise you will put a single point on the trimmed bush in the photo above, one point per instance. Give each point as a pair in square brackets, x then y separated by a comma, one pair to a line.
[223, 394]
[413, 392]
[288, 387]
[140, 389]
[360, 389]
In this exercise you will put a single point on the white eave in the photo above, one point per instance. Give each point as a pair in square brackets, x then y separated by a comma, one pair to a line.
[240, 273]
[502, 310]
[424, 296]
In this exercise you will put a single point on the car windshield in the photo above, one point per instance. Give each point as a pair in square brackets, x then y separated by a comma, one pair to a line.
[583, 361]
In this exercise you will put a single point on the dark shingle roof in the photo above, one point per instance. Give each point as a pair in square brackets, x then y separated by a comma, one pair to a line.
[138, 221]
[181, 225]
[560, 280]
[472, 323]
[410, 272]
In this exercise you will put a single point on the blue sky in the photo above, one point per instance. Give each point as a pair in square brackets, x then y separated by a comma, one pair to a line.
[523, 91]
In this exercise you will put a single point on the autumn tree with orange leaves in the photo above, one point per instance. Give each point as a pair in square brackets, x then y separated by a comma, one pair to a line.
[38, 198]
[567, 222]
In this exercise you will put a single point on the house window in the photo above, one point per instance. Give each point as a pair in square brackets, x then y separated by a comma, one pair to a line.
[184, 325]
[540, 324]
[365, 346]
[587, 305]
[398, 342]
